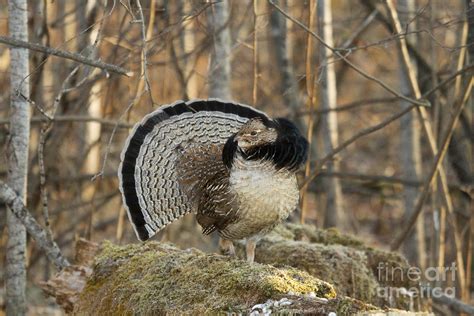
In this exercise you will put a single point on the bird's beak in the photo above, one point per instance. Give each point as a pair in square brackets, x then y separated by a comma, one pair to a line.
[242, 141]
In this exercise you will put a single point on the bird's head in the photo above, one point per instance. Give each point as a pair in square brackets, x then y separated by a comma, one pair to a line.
[254, 134]
[278, 141]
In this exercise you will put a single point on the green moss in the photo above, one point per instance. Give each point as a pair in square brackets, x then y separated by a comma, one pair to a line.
[344, 267]
[153, 278]
[341, 260]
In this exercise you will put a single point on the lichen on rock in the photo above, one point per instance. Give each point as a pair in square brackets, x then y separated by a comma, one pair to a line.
[153, 277]
[355, 269]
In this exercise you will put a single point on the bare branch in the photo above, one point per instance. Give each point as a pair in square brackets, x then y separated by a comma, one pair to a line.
[423, 64]
[453, 303]
[346, 143]
[45, 130]
[360, 29]
[310, 90]
[145, 37]
[109, 143]
[434, 169]
[468, 69]
[345, 59]
[64, 54]
[379, 180]
[428, 130]
[255, 54]
[74, 119]
[350, 106]
[39, 234]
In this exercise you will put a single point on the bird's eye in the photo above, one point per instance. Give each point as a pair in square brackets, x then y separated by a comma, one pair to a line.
[253, 133]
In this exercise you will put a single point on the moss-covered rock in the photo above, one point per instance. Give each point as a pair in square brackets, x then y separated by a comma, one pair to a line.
[152, 278]
[354, 269]
[301, 270]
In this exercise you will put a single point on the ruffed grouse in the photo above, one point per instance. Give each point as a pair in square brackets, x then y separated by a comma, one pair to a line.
[230, 164]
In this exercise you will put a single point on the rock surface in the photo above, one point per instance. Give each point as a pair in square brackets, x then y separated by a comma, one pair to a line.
[354, 269]
[301, 270]
[156, 278]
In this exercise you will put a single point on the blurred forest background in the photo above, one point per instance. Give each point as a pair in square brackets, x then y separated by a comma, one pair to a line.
[381, 89]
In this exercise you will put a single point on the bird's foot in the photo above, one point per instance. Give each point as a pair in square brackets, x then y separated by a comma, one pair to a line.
[227, 247]
[250, 250]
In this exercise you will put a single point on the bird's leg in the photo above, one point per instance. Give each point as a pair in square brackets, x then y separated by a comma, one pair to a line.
[227, 247]
[250, 249]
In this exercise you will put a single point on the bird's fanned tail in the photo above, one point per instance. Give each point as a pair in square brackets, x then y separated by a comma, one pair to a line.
[147, 174]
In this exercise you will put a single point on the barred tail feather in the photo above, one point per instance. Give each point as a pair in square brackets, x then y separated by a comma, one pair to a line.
[147, 172]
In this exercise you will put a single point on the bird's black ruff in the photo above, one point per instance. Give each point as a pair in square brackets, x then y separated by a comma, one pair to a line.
[136, 141]
[289, 151]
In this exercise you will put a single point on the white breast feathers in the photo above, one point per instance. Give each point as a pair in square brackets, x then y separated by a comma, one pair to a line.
[265, 196]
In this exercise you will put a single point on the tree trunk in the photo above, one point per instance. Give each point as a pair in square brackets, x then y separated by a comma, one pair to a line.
[219, 72]
[288, 87]
[86, 14]
[38, 60]
[219, 65]
[334, 215]
[470, 22]
[470, 58]
[17, 152]
[281, 48]
[187, 41]
[410, 153]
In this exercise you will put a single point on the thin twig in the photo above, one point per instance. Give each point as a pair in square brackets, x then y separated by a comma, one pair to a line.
[462, 56]
[99, 201]
[120, 224]
[45, 130]
[360, 134]
[433, 170]
[144, 49]
[310, 88]
[423, 64]
[109, 143]
[74, 119]
[428, 130]
[371, 178]
[465, 70]
[441, 238]
[65, 54]
[381, 180]
[360, 29]
[350, 106]
[255, 52]
[337, 52]
[439, 211]
[179, 72]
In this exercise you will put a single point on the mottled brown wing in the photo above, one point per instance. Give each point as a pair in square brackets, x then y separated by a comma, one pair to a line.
[204, 178]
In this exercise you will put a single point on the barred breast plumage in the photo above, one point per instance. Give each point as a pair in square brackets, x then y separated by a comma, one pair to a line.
[229, 163]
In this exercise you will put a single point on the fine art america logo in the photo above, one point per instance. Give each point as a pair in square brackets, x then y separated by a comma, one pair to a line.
[433, 282]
